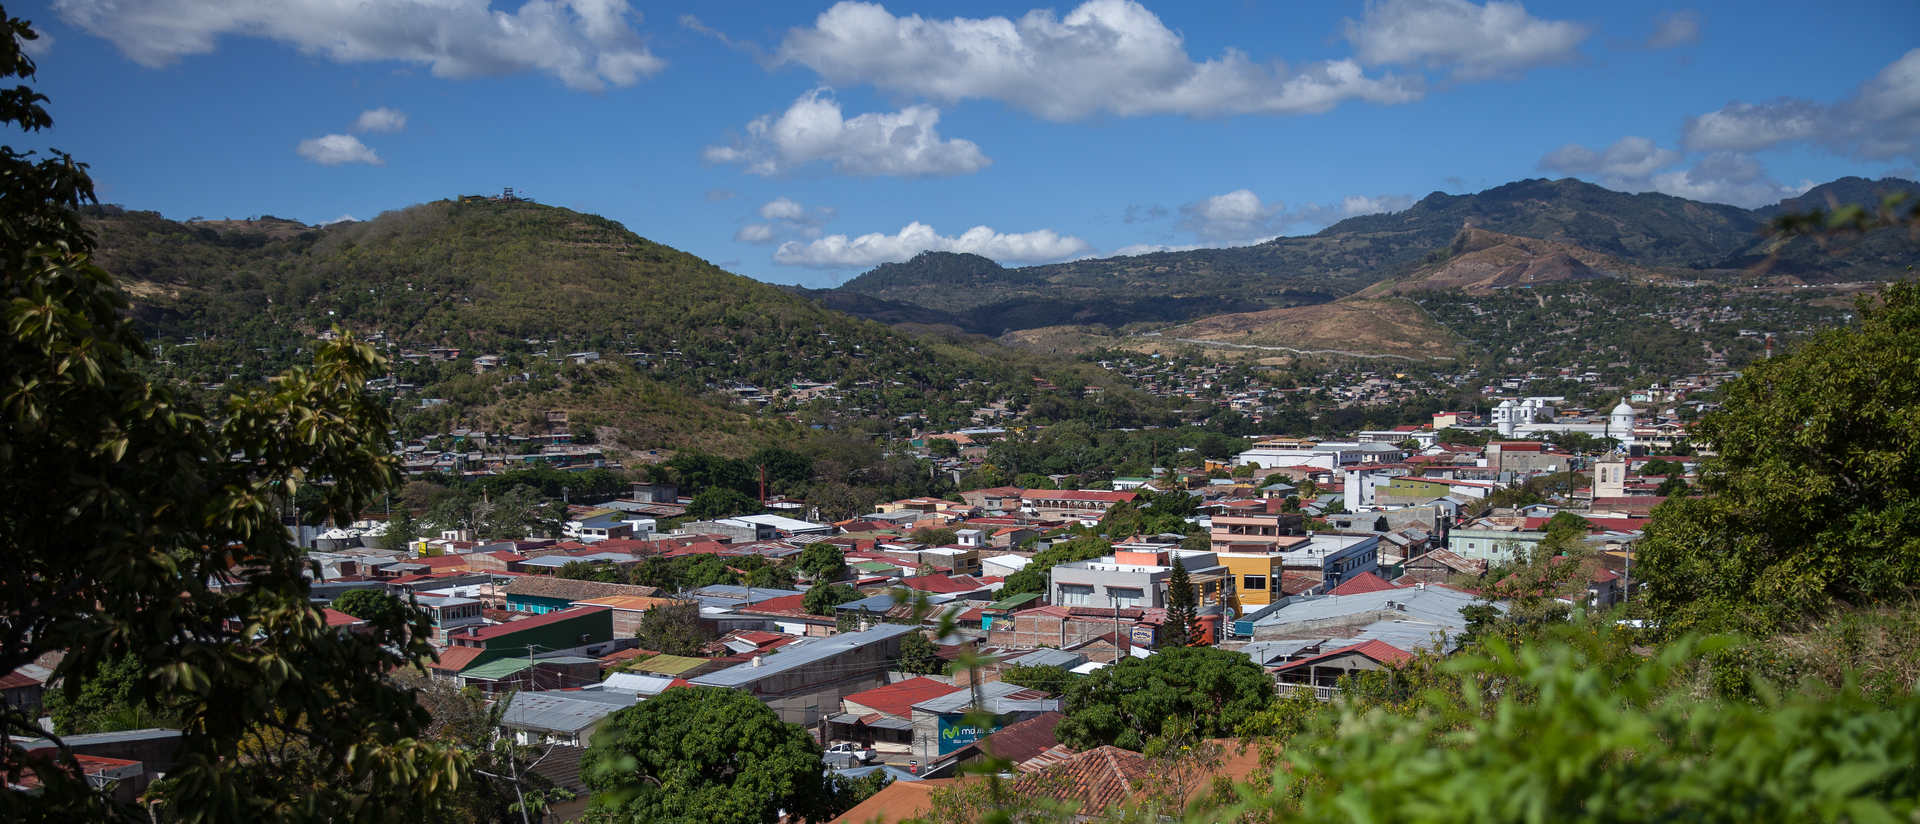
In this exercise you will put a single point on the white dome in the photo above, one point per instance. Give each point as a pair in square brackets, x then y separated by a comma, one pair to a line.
[1623, 409]
[1506, 404]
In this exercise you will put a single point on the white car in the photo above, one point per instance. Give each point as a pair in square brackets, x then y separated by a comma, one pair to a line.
[850, 749]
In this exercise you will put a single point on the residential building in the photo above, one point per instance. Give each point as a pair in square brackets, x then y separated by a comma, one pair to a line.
[804, 680]
[1073, 501]
[1138, 578]
[568, 719]
[542, 593]
[941, 727]
[449, 614]
[580, 628]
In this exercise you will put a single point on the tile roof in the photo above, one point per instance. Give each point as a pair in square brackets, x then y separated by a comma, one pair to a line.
[898, 801]
[336, 618]
[1098, 778]
[1026, 739]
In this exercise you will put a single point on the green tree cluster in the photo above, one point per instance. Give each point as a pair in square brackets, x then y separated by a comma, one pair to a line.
[1037, 575]
[1210, 691]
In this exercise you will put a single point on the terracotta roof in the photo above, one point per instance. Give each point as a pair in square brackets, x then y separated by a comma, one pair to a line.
[1098, 778]
[941, 584]
[1294, 583]
[1079, 495]
[898, 699]
[626, 602]
[898, 801]
[17, 679]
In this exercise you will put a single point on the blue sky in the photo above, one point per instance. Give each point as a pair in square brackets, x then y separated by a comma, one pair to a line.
[805, 142]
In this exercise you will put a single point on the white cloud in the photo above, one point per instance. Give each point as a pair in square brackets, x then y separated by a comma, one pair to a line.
[840, 251]
[585, 43]
[1636, 164]
[1673, 30]
[1105, 55]
[381, 121]
[1496, 40]
[337, 149]
[785, 219]
[1629, 158]
[901, 144]
[1880, 120]
[1238, 217]
[755, 233]
[344, 218]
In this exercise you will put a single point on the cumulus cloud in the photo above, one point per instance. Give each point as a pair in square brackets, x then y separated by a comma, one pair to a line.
[338, 149]
[812, 130]
[840, 251]
[1880, 120]
[755, 233]
[1497, 40]
[1673, 30]
[1105, 55]
[1236, 215]
[1240, 217]
[587, 44]
[1636, 164]
[381, 121]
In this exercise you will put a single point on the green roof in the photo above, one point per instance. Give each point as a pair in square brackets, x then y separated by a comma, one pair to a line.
[497, 669]
[668, 664]
[1015, 601]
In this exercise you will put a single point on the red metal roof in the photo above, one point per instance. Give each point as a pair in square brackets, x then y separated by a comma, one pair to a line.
[898, 699]
[455, 659]
[485, 633]
[1364, 582]
[336, 618]
[1376, 649]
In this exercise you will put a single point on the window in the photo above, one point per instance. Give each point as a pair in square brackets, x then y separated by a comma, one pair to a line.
[1076, 595]
[1252, 582]
[1125, 597]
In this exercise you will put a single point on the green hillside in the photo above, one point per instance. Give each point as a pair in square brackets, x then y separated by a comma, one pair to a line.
[235, 301]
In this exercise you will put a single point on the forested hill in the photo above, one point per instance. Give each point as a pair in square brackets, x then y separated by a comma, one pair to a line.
[1686, 238]
[520, 279]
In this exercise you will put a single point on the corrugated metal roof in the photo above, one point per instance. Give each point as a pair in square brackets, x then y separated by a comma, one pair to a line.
[1436, 604]
[1050, 658]
[802, 654]
[566, 713]
[990, 694]
[498, 669]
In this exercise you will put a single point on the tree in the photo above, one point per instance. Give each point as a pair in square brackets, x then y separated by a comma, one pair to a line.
[134, 524]
[934, 537]
[371, 605]
[1127, 704]
[720, 502]
[919, 655]
[106, 703]
[402, 529]
[821, 599]
[1485, 754]
[943, 447]
[602, 571]
[822, 561]
[673, 628]
[1049, 678]
[1567, 523]
[704, 754]
[1183, 608]
[1810, 497]
[761, 573]
[1038, 573]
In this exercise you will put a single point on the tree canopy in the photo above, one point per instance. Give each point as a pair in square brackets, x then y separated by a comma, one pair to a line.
[1813, 493]
[1209, 690]
[822, 561]
[704, 754]
[136, 525]
[371, 605]
[821, 599]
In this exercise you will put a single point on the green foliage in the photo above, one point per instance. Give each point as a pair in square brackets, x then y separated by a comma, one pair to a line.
[1182, 627]
[821, 599]
[371, 605]
[134, 527]
[704, 754]
[934, 537]
[822, 561]
[1813, 496]
[1051, 678]
[720, 502]
[672, 629]
[1210, 690]
[602, 571]
[919, 655]
[1580, 734]
[105, 703]
[1567, 523]
[1037, 575]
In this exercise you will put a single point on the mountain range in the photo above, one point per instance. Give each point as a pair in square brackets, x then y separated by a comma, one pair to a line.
[1522, 233]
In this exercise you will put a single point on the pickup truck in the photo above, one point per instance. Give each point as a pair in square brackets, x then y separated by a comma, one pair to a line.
[850, 750]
